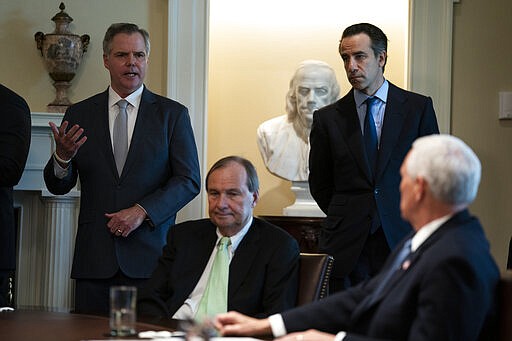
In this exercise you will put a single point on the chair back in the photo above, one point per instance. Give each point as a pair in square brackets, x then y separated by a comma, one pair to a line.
[505, 306]
[314, 272]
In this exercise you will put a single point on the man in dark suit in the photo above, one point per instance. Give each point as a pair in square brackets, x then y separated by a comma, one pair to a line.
[135, 175]
[263, 266]
[14, 147]
[440, 287]
[359, 194]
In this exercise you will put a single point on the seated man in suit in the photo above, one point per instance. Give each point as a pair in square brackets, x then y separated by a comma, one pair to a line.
[440, 287]
[262, 259]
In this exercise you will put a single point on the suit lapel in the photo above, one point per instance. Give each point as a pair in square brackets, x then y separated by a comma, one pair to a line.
[394, 118]
[245, 255]
[103, 132]
[142, 124]
[200, 255]
[350, 128]
[410, 263]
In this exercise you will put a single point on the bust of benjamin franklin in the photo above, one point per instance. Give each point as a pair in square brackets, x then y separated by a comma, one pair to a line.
[283, 141]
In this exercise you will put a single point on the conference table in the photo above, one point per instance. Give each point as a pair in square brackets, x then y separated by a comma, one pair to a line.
[43, 325]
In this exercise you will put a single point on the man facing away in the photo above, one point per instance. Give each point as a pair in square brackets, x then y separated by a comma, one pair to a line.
[355, 158]
[440, 282]
[135, 155]
[259, 276]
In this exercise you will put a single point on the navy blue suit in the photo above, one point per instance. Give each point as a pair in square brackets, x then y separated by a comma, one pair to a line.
[161, 174]
[341, 181]
[262, 274]
[446, 293]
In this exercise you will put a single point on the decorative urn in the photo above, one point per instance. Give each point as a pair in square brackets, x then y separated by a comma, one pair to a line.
[62, 52]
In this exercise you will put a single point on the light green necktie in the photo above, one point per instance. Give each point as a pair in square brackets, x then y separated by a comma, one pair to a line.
[215, 297]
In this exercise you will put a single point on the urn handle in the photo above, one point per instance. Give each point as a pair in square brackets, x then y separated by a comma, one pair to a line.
[85, 42]
[39, 36]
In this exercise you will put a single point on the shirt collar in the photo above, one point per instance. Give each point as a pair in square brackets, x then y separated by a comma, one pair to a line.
[381, 93]
[236, 238]
[133, 98]
[426, 231]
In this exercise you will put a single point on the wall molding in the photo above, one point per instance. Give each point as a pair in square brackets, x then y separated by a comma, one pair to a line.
[187, 78]
[430, 54]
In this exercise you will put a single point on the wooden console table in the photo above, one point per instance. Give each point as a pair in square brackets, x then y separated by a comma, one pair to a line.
[304, 229]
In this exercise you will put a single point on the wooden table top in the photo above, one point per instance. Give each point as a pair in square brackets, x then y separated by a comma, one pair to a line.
[42, 325]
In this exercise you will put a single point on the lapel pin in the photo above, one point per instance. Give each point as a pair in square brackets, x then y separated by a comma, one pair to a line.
[406, 264]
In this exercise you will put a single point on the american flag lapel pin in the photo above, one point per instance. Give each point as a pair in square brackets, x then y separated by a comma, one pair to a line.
[406, 264]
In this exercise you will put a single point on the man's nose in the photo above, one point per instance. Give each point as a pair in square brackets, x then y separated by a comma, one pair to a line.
[352, 64]
[311, 97]
[130, 59]
[222, 200]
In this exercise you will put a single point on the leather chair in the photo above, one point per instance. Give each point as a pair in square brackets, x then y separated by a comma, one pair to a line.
[314, 272]
[505, 306]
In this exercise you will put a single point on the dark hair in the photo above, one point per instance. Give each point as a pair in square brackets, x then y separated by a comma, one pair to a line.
[377, 37]
[123, 28]
[252, 177]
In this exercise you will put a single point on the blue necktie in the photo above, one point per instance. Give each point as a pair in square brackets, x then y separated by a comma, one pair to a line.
[397, 263]
[370, 133]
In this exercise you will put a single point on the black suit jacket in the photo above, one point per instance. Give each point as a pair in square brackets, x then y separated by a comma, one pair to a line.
[340, 177]
[161, 174]
[14, 147]
[263, 274]
[446, 293]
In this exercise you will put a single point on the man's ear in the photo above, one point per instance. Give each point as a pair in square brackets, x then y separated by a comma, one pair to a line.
[420, 188]
[105, 61]
[382, 57]
[255, 198]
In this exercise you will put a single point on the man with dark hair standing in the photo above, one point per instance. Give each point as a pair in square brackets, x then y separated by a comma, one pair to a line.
[135, 155]
[259, 272]
[14, 147]
[355, 158]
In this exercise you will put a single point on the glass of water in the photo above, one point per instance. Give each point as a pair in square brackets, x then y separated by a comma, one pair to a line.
[123, 300]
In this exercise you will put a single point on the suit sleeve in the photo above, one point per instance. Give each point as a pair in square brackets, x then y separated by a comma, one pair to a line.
[331, 314]
[54, 184]
[428, 125]
[14, 139]
[320, 165]
[184, 183]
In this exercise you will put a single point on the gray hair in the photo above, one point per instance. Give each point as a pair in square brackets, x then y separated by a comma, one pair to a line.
[451, 169]
[252, 177]
[127, 28]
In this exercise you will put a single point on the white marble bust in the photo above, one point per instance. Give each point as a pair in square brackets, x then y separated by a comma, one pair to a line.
[283, 141]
